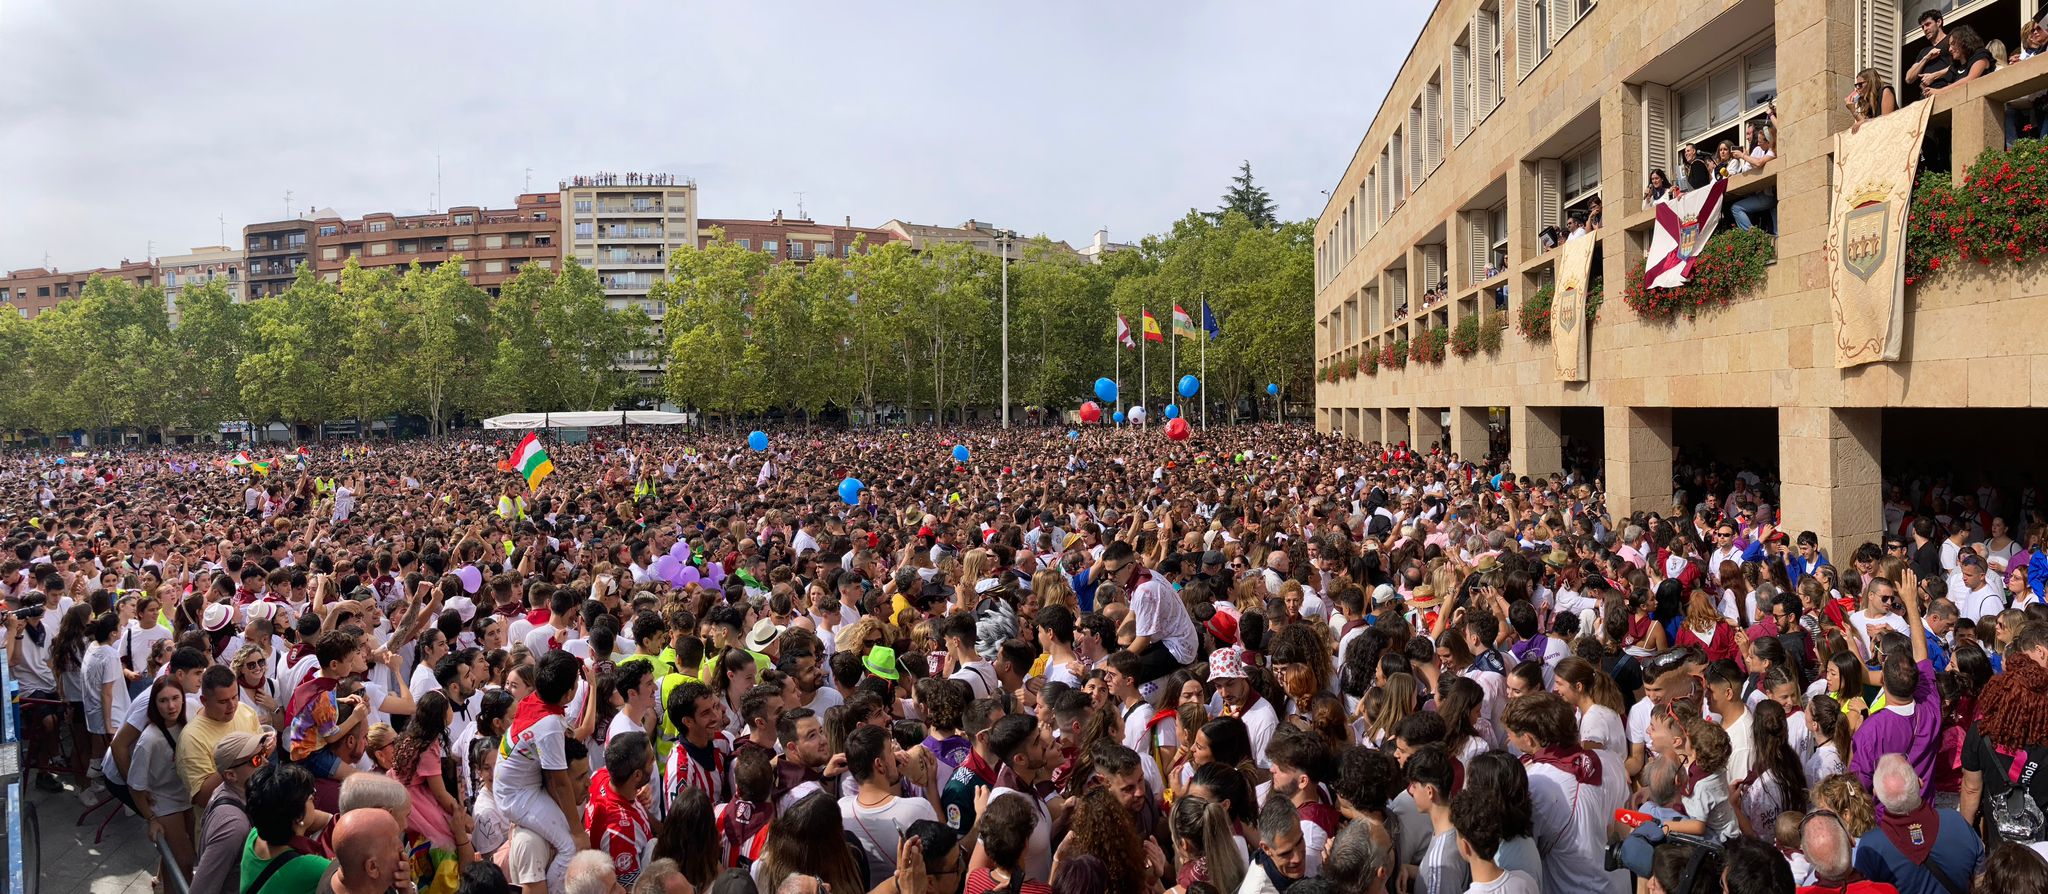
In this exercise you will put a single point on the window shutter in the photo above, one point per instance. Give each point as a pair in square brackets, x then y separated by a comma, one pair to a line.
[1461, 88]
[1475, 245]
[1525, 37]
[1364, 200]
[1549, 192]
[1432, 266]
[1400, 288]
[1657, 151]
[1433, 119]
[1563, 14]
[1486, 87]
[1877, 37]
[1415, 137]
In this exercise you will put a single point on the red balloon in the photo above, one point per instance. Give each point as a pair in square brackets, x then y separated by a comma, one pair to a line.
[1177, 429]
[1090, 413]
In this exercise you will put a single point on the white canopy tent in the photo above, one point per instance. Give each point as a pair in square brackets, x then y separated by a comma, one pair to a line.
[587, 419]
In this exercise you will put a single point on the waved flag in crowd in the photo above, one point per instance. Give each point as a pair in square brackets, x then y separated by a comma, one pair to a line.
[532, 461]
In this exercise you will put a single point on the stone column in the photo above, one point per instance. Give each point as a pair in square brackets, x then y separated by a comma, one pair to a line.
[1535, 440]
[1394, 425]
[1638, 460]
[1468, 433]
[1830, 463]
[1427, 424]
[1369, 425]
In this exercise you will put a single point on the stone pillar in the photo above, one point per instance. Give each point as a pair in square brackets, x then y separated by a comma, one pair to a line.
[1394, 425]
[1830, 463]
[1535, 440]
[1369, 425]
[1638, 460]
[1427, 424]
[1469, 437]
[1979, 125]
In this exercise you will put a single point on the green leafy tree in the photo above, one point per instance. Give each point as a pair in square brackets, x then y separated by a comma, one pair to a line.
[442, 339]
[299, 341]
[715, 363]
[211, 338]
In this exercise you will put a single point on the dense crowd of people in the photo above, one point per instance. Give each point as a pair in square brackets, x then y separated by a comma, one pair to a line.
[1261, 659]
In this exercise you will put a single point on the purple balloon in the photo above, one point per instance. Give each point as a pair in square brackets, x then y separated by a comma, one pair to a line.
[689, 575]
[714, 574]
[472, 579]
[665, 568]
[681, 550]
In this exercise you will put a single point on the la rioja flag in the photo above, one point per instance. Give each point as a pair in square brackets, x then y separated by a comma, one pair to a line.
[1683, 227]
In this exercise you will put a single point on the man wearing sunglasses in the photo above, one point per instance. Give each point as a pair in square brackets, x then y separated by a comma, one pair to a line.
[1165, 636]
[224, 826]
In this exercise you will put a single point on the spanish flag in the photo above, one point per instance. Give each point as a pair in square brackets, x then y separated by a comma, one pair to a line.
[1152, 328]
[532, 461]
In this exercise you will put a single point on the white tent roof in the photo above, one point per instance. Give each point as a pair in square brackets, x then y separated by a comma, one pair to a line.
[586, 419]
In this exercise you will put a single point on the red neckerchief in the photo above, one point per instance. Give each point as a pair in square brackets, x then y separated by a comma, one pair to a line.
[302, 695]
[1572, 759]
[1912, 833]
[979, 767]
[299, 650]
[539, 617]
[790, 773]
[530, 711]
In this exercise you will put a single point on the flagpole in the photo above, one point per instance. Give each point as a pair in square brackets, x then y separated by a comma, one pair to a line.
[1116, 346]
[1205, 364]
[1143, 337]
[1173, 361]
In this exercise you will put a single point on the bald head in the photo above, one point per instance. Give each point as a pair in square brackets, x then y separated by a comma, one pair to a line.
[366, 848]
[1825, 841]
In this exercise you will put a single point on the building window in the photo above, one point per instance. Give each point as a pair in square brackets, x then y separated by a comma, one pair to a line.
[494, 241]
[545, 263]
[408, 247]
[296, 240]
[584, 229]
[460, 243]
[540, 215]
[768, 245]
[747, 244]
[463, 220]
[330, 253]
[518, 240]
[494, 266]
[583, 206]
[378, 226]
[1581, 174]
[796, 249]
[1736, 90]
[327, 229]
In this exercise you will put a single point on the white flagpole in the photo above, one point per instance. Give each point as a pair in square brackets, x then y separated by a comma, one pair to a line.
[1205, 364]
[1173, 364]
[1143, 337]
[1117, 345]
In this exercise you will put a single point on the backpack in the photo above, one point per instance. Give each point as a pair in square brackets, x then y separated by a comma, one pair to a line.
[2013, 811]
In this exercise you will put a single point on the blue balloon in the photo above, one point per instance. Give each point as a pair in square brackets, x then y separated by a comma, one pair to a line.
[758, 441]
[1118, 418]
[1189, 385]
[1073, 435]
[1105, 390]
[960, 453]
[1173, 411]
[1273, 388]
[849, 491]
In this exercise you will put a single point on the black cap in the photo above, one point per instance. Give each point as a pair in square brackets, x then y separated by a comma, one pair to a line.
[1213, 557]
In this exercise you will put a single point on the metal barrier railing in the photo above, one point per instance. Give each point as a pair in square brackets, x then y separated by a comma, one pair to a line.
[23, 844]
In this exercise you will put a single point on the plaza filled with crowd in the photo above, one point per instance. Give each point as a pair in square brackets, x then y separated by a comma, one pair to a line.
[1258, 659]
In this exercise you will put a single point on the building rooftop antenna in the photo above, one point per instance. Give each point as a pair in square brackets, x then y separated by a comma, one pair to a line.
[800, 215]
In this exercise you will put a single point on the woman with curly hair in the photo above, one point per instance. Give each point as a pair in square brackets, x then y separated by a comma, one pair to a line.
[1844, 794]
[2011, 733]
[416, 761]
[1301, 659]
[1102, 829]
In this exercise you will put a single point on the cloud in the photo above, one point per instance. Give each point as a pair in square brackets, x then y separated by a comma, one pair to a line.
[131, 123]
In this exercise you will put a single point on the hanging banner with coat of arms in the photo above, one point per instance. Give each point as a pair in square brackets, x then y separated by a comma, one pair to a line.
[1866, 248]
[1568, 307]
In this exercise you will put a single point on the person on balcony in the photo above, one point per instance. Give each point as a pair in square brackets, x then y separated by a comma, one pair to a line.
[1971, 60]
[1659, 188]
[1934, 65]
[1762, 149]
[1870, 98]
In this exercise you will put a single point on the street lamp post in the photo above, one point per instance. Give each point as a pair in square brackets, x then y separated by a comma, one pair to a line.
[1005, 237]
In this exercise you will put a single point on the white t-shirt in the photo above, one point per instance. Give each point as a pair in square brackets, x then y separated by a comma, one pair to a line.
[825, 699]
[1859, 620]
[538, 747]
[1571, 826]
[102, 666]
[1260, 721]
[1600, 724]
[139, 640]
[622, 723]
[1038, 853]
[880, 829]
[1159, 614]
[1513, 881]
[979, 676]
[536, 642]
[1137, 726]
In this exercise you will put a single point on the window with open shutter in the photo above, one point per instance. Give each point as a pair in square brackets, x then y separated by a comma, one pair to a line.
[1415, 141]
[1549, 192]
[1657, 151]
[1461, 92]
[1877, 37]
[1433, 124]
[1475, 246]
[1432, 266]
[1563, 15]
[1525, 37]
[1486, 56]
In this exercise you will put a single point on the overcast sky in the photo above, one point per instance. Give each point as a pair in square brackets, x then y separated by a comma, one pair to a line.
[126, 122]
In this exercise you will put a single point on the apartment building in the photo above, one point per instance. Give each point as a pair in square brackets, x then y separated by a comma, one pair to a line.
[977, 234]
[493, 244]
[276, 249]
[1509, 115]
[207, 263]
[624, 226]
[36, 289]
[798, 239]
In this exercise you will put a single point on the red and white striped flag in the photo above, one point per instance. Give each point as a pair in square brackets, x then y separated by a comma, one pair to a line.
[1683, 227]
[1123, 332]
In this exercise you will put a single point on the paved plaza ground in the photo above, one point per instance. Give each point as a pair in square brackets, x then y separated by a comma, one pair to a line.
[123, 862]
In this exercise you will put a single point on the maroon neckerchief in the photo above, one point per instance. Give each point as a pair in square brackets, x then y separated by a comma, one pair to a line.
[1912, 833]
[1572, 759]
